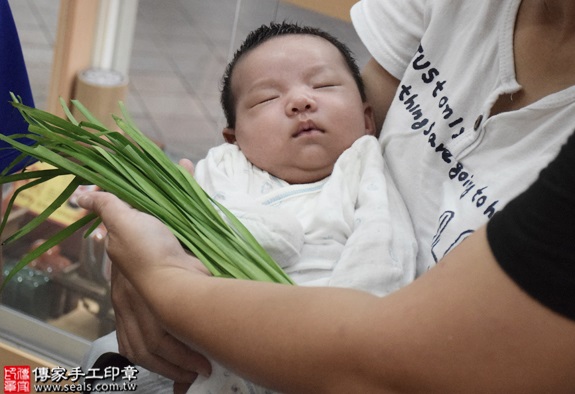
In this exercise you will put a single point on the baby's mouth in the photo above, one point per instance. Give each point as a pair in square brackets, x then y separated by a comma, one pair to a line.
[306, 128]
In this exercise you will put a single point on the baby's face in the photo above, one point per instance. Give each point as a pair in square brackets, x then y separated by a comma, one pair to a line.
[297, 107]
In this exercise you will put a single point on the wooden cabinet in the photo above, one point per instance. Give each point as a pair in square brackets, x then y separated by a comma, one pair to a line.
[335, 8]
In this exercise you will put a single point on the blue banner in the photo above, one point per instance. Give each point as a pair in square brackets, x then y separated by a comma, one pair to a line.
[13, 78]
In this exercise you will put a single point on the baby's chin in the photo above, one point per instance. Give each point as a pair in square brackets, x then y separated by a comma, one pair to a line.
[298, 175]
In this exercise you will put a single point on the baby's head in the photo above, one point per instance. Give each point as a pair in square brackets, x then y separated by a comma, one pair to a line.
[267, 32]
[294, 100]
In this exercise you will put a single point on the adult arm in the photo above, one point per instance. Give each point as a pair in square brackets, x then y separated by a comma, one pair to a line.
[392, 32]
[380, 87]
[463, 326]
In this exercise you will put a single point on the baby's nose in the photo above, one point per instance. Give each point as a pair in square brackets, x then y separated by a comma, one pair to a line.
[302, 107]
[301, 103]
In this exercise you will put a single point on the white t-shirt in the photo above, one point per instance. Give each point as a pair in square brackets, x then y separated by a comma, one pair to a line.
[454, 165]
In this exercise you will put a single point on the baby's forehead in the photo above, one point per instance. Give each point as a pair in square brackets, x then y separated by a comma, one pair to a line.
[295, 44]
[308, 53]
[300, 38]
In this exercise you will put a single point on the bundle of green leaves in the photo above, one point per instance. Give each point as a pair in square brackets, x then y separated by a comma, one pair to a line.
[136, 170]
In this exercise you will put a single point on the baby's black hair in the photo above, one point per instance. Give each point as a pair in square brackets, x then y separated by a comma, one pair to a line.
[263, 34]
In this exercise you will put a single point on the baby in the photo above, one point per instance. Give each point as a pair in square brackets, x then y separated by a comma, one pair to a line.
[302, 170]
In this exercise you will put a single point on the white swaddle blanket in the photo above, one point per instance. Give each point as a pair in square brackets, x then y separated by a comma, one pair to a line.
[348, 230]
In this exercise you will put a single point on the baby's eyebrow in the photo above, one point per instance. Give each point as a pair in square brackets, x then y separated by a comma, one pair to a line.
[267, 83]
[319, 69]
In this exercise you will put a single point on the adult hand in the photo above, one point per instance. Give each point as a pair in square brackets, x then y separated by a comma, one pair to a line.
[137, 244]
[188, 165]
[143, 340]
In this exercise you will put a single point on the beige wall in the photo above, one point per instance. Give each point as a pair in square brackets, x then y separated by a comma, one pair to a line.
[335, 8]
[11, 355]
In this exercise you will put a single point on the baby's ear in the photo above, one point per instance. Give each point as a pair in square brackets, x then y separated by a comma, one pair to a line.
[229, 135]
[369, 120]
